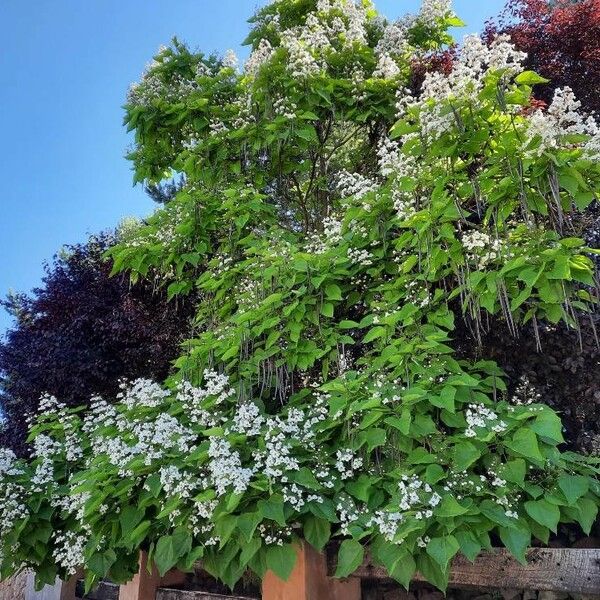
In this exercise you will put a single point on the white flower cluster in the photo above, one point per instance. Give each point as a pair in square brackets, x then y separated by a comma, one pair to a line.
[347, 463]
[259, 57]
[45, 449]
[481, 248]
[283, 436]
[387, 523]
[273, 535]
[8, 463]
[355, 184]
[142, 393]
[404, 204]
[360, 256]
[69, 550]
[284, 107]
[563, 118]
[163, 434]
[176, 482]
[478, 415]
[392, 161]
[394, 41]
[348, 514]
[73, 503]
[332, 235]
[387, 67]
[247, 419]
[525, 393]
[297, 497]
[335, 25]
[434, 10]
[230, 60]
[49, 405]
[301, 62]
[13, 506]
[225, 467]
[153, 85]
[476, 60]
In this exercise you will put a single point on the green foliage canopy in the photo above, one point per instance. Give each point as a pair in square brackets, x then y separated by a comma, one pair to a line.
[338, 230]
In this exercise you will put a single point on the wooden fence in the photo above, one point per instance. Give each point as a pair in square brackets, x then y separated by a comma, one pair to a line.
[564, 570]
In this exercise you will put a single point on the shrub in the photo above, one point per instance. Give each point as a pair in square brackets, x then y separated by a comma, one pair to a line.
[562, 42]
[81, 332]
[339, 233]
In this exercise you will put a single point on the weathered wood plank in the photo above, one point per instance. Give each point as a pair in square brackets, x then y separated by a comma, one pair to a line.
[169, 594]
[576, 571]
[103, 591]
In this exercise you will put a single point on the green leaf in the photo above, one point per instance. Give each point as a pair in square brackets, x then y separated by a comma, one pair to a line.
[432, 572]
[402, 423]
[443, 549]
[449, 507]
[374, 438]
[514, 471]
[249, 550]
[588, 512]
[530, 78]
[350, 557]
[101, 562]
[247, 524]
[281, 560]
[525, 442]
[517, 540]
[544, 513]
[573, 487]
[495, 513]
[273, 509]
[327, 310]
[333, 292]
[348, 325]
[317, 531]
[403, 569]
[373, 334]
[170, 548]
[129, 519]
[470, 546]
[360, 487]
[548, 425]
[139, 533]
[465, 454]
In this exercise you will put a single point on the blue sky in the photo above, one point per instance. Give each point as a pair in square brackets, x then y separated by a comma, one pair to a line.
[65, 66]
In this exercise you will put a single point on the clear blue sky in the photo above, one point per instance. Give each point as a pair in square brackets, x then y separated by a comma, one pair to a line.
[65, 66]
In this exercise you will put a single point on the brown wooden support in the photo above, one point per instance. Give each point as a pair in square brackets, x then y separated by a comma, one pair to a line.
[144, 584]
[309, 581]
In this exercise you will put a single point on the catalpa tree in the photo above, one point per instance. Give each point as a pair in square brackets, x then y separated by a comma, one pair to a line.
[340, 232]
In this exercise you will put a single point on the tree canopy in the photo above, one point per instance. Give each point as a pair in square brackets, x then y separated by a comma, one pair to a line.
[352, 242]
[80, 333]
[562, 42]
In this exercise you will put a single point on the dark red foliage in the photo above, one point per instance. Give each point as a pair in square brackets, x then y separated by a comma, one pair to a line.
[80, 333]
[562, 40]
[437, 62]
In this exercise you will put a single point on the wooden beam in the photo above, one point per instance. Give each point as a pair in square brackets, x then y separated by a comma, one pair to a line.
[572, 570]
[309, 581]
[168, 594]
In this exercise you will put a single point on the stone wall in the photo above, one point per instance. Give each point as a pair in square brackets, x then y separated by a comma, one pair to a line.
[14, 588]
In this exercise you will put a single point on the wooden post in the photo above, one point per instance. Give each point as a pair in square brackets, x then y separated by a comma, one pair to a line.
[144, 585]
[309, 581]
